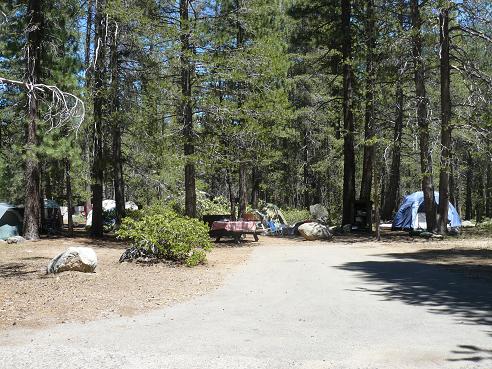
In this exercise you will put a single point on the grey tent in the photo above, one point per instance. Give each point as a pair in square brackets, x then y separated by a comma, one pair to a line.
[10, 221]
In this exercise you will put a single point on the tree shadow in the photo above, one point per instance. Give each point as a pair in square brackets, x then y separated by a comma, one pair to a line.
[442, 289]
[471, 353]
[16, 270]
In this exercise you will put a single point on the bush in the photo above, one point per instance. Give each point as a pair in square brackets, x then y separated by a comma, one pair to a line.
[204, 205]
[217, 206]
[177, 238]
[292, 216]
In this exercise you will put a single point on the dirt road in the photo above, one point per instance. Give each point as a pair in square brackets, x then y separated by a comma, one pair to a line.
[301, 305]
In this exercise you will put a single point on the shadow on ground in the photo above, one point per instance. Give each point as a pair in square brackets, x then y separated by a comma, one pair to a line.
[455, 282]
[16, 270]
[471, 353]
[424, 279]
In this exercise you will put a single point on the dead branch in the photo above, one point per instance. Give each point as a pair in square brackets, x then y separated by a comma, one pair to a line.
[64, 108]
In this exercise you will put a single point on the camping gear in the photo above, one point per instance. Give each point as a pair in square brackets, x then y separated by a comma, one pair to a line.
[109, 213]
[10, 221]
[362, 216]
[411, 214]
[53, 219]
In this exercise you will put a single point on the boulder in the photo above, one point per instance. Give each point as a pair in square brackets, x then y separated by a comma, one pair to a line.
[81, 259]
[467, 224]
[314, 231]
[16, 239]
[318, 211]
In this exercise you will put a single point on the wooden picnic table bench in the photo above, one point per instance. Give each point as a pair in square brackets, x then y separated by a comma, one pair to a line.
[233, 229]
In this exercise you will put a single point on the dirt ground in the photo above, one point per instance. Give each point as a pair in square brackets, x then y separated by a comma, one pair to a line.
[30, 298]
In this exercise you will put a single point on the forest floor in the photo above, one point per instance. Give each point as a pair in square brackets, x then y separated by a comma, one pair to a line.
[30, 298]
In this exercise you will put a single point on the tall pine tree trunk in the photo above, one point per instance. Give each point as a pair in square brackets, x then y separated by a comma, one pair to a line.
[117, 160]
[68, 184]
[480, 194]
[255, 191]
[99, 93]
[453, 188]
[367, 165]
[32, 210]
[445, 121]
[186, 114]
[348, 118]
[488, 191]
[87, 64]
[232, 198]
[306, 171]
[243, 190]
[423, 124]
[469, 188]
[390, 202]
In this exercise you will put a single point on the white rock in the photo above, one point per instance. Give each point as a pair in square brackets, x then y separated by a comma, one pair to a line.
[16, 239]
[314, 231]
[81, 259]
[467, 224]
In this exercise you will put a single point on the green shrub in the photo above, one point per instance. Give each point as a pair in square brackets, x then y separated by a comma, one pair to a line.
[217, 206]
[204, 206]
[292, 216]
[177, 238]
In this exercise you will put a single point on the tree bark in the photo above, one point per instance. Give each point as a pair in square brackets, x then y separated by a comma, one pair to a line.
[117, 161]
[348, 118]
[98, 161]
[488, 191]
[186, 114]
[423, 124]
[479, 205]
[32, 211]
[390, 203]
[232, 198]
[255, 191]
[377, 196]
[87, 61]
[445, 121]
[243, 191]
[68, 180]
[453, 188]
[306, 171]
[469, 188]
[367, 165]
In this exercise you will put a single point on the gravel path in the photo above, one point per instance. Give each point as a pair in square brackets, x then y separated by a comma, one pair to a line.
[303, 305]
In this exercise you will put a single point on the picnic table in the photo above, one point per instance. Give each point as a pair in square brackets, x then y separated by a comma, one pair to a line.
[234, 229]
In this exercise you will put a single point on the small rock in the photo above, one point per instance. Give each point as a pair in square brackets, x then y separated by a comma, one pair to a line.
[16, 239]
[467, 224]
[81, 259]
[314, 231]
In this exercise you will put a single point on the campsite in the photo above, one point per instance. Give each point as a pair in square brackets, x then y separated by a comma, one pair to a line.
[239, 184]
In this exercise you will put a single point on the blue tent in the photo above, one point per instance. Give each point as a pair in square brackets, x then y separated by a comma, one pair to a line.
[411, 214]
